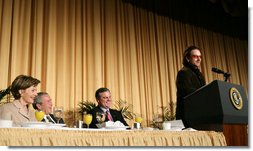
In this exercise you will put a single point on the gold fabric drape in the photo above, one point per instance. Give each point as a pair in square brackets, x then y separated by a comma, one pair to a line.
[57, 137]
[76, 46]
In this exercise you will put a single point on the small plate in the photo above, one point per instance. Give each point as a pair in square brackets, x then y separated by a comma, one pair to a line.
[35, 124]
[57, 125]
[5, 123]
[117, 128]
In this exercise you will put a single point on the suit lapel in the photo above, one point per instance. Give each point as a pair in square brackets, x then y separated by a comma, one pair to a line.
[21, 109]
[51, 118]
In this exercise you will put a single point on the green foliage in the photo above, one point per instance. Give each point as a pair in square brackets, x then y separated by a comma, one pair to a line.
[5, 92]
[157, 121]
[5, 95]
[71, 117]
[120, 105]
[125, 109]
[85, 107]
[168, 114]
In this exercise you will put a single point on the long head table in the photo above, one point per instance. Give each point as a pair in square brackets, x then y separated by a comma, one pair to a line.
[95, 137]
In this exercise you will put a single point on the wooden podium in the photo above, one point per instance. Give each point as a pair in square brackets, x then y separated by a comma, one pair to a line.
[219, 106]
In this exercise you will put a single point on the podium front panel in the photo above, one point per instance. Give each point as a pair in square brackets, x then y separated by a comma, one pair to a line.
[212, 105]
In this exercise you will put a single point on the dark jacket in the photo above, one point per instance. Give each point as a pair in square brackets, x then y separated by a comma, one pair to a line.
[116, 115]
[188, 80]
[53, 118]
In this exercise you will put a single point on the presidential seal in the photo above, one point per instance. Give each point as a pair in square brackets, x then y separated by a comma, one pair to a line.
[236, 98]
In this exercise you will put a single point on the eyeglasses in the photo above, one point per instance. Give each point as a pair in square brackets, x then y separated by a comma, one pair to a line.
[195, 56]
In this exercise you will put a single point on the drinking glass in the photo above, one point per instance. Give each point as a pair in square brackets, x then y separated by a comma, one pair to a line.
[58, 112]
[87, 118]
[100, 116]
[137, 124]
[39, 115]
[138, 119]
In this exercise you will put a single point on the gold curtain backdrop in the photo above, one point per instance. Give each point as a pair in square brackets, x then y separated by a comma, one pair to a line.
[76, 46]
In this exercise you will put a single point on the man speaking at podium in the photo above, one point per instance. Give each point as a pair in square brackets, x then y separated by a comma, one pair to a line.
[189, 78]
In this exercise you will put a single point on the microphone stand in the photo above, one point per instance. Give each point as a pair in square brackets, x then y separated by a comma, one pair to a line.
[226, 76]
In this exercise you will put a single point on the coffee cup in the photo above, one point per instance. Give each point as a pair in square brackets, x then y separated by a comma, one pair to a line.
[166, 126]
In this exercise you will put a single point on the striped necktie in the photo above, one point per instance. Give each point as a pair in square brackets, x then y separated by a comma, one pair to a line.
[109, 115]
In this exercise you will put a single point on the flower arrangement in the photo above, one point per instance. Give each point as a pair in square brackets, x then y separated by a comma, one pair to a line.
[5, 95]
[72, 116]
[120, 105]
[169, 114]
[125, 109]
[85, 107]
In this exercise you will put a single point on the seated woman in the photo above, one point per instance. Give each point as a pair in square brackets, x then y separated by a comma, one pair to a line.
[24, 90]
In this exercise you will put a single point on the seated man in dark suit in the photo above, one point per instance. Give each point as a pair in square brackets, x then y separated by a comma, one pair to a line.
[103, 97]
[43, 102]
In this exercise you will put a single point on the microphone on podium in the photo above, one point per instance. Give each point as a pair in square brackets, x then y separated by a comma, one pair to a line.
[219, 71]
